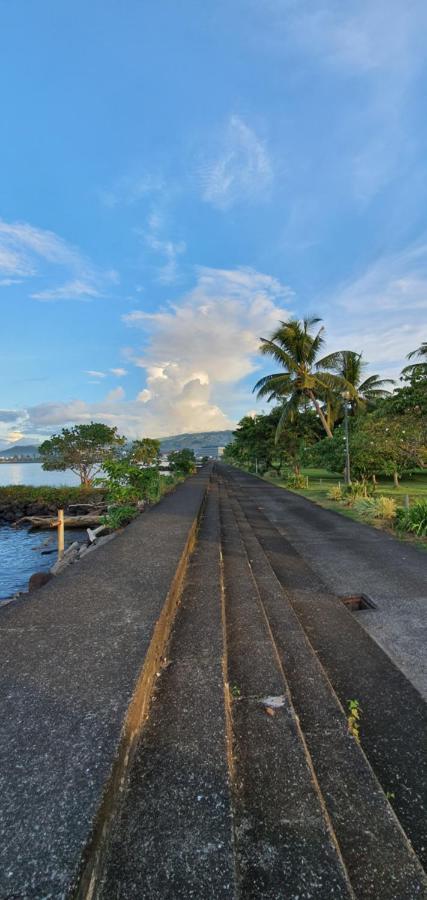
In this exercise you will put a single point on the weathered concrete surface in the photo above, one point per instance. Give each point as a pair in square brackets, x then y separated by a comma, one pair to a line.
[394, 715]
[284, 840]
[70, 658]
[378, 857]
[353, 558]
[172, 836]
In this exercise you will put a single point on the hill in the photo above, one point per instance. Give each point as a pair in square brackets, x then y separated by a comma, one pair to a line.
[19, 451]
[204, 443]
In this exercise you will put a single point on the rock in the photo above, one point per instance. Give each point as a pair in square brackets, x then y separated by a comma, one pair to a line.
[38, 580]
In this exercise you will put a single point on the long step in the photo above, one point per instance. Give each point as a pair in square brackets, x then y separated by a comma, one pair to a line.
[172, 835]
[378, 857]
[394, 715]
[284, 841]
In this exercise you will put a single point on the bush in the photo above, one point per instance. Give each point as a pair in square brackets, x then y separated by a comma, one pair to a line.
[297, 482]
[413, 519]
[272, 473]
[371, 508]
[358, 490]
[118, 516]
[335, 492]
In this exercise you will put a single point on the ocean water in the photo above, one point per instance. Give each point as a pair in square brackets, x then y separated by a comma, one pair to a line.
[32, 473]
[23, 552]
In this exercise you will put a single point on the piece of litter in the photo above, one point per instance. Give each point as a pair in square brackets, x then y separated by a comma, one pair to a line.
[270, 711]
[274, 702]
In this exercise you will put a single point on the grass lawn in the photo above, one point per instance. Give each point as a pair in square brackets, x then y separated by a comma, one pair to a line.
[320, 481]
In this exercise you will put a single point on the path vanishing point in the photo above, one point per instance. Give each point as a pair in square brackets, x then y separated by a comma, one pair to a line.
[174, 709]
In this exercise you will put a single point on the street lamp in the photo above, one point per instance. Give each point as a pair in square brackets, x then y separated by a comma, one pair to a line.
[347, 474]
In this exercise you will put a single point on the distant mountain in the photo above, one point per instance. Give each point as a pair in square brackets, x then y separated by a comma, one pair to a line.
[19, 450]
[204, 443]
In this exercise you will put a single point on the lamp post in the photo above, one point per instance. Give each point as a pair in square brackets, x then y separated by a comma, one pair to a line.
[347, 472]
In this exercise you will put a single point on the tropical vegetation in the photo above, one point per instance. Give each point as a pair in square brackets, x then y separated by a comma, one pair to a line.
[319, 401]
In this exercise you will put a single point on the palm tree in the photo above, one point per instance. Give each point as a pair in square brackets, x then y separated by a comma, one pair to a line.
[418, 368]
[304, 378]
[366, 391]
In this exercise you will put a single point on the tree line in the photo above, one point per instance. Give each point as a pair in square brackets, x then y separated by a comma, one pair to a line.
[313, 394]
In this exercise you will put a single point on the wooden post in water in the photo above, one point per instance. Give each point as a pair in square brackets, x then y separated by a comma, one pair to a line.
[60, 533]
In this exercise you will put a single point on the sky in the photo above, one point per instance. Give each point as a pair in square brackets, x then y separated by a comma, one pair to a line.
[177, 177]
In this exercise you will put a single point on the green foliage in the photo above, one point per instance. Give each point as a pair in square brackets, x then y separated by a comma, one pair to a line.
[119, 516]
[357, 490]
[335, 492]
[413, 519]
[353, 719]
[297, 482]
[126, 483]
[371, 508]
[146, 451]
[61, 497]
[303, 377]
[183, 461]
[83, 448]
[378, 446]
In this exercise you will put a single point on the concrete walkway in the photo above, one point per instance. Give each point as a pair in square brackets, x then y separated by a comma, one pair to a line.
[352, 558]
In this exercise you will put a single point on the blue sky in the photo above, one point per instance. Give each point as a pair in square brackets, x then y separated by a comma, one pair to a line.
[176, 177]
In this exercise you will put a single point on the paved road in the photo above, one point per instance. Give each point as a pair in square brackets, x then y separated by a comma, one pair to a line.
[352, 558]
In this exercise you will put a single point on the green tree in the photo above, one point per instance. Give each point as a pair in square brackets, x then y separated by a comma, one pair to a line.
[146, 451]
[419, 368]
[378, 446]
[83, 448]
[304, 377]
[183, 461]
[364, 393]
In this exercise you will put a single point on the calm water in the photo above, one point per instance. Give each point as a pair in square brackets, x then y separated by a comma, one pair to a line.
[20, 551]
[32, 473]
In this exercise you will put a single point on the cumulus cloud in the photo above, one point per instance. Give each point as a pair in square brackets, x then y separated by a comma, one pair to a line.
[195, 353]
[241, 170]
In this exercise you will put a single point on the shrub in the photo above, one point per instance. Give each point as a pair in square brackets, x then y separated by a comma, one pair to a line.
[413, 519]
[297, 482]
[358, 489]
[371, 508]
[272, 473]
[385, 507]
[118, 516]
[335, 492]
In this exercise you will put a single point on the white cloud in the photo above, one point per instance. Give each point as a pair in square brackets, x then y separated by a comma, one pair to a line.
[95, 374]
[241, 171]
[383, 311]
[119, 373]
[128, 190]
[35, 253]
[72, 290]
[195, 354]
[160, 245]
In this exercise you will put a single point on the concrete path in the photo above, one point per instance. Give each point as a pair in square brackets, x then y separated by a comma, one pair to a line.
[352, 558]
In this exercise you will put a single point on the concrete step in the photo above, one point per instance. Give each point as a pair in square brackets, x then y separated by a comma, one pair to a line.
[172, 834]
[377, 853]
[284, 841]
[78, 659]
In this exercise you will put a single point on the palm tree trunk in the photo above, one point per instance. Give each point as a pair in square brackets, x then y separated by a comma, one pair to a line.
[320, 413]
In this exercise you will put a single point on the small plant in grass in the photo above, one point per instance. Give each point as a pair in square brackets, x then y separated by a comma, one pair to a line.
[335, 493]
[357, 490]
[297, 482]
[118, 516]
[371, 508]
[235, 692]
[353, 719]
[413, 519]
[385, 508]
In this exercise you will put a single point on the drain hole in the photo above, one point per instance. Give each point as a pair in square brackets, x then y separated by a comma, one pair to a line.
[357, 602]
